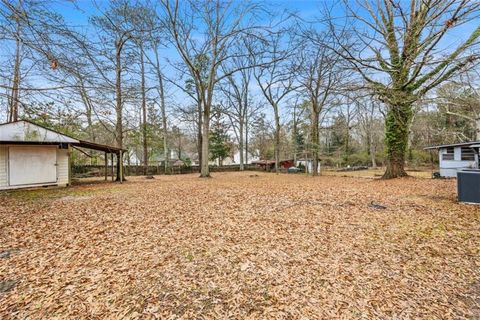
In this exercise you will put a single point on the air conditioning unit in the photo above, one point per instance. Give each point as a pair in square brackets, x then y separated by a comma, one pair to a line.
[468, 185]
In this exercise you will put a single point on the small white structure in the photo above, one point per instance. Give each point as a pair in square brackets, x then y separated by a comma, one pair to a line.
[247, 156]
[453, 157]
[234, 159]
[308, 164]
[32, 156]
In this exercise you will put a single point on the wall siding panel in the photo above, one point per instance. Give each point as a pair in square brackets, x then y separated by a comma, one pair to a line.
[62, 167]
[3, 166]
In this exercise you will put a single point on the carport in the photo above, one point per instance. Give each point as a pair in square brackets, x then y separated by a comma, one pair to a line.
[32, 155]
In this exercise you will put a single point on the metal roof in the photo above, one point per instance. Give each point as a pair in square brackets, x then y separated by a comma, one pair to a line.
[97, 146]
[26, 132]
[461, 144]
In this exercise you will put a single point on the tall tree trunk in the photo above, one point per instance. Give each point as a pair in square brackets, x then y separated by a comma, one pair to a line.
[240, 145]
[397, 124]
[347, 143]
[144, 111]
[372, 156]
[89, 115]
[277, 139]
[246, 139]
[179, 147]
[199, 133]
[118, 106]
[162, 110]
[477, 129]
[315, 140]
[16, 73]
[91, 132]
[204, 170]
[294, 134]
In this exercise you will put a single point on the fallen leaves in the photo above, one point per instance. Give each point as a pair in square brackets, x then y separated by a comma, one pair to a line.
[277, 246]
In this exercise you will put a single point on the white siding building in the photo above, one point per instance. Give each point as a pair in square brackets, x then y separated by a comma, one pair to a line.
[33, 156]
[454, 157]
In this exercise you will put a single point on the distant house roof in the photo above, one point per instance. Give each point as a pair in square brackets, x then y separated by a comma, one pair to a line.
[461, 144]
[26, 132]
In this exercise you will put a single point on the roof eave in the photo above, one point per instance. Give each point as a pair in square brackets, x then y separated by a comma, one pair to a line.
[461, 144]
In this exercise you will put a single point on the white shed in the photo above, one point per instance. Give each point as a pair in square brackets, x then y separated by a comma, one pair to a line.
[453, 157]
[308, 164]
[32, 156]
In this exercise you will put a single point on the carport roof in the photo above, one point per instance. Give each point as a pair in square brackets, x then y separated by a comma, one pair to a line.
[26, 132]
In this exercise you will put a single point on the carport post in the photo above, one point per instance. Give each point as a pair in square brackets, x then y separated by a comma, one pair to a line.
[120, 154]
[106, 166]
[113, 175]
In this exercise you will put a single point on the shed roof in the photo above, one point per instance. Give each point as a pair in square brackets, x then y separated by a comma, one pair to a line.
[26, 132]
[461, 144]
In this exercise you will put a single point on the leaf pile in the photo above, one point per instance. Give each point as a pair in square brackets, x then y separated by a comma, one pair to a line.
[277, 246]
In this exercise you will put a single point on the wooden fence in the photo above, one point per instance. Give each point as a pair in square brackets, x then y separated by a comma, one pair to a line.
[83, 171]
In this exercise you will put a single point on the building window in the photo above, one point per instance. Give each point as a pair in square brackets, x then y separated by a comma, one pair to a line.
[449, 154]
[468, 154]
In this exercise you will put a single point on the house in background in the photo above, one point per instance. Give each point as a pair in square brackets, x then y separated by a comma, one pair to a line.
[269, 165]
[249, 156]
[234, 159]
[457, 156]
[308, 165]
[34, 156]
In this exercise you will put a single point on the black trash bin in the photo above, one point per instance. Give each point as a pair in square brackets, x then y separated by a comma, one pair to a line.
[468, 185]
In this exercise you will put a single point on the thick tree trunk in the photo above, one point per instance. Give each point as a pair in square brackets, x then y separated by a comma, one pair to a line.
[397, 124]
[315, 141]
[144, 112]
[204, 170]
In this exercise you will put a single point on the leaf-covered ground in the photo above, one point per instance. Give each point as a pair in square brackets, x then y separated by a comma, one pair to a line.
[241, 245]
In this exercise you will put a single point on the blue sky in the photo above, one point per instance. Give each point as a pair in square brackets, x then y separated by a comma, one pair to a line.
[78, 14]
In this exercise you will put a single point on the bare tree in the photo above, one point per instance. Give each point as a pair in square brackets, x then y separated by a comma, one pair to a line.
[205, 31]
[117, 26]
[462, 100]
[368, 114]
[349, 112]
[37, 33]
[401, 53]
[276, 78]
[236, 91]
[13, 109]
[319, 75]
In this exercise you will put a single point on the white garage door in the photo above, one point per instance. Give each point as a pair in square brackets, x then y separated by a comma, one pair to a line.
[32, 165]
